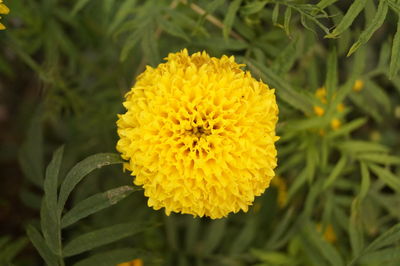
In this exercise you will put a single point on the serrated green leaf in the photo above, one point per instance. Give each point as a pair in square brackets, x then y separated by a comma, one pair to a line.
[130, 44]
[337, 170]
[325, 3]
[112, 257]
[386, 176]
[100, 237]
[40, 245]
[375, 24]
[348, 18]
[80, 170]
[96, 203]
[395, 58]
[230, 17]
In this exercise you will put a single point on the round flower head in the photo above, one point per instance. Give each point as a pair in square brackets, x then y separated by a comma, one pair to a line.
[199, 135]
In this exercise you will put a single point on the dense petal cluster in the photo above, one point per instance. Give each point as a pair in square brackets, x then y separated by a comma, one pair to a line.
[199, 135]
[3, 11]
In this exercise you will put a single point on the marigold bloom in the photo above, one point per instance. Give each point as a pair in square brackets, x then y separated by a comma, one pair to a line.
[358, 85]
[340, 107]
[321, 93]
[199, 135]
[3, 11]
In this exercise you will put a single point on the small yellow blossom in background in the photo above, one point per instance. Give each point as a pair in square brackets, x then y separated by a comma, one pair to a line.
[135, 262]
[199, 135]
[3, 11]
[329, 233]
[335, 123]
[281, 186]
[358, 85]
[321, 95]
[340, 107]
[319, 111]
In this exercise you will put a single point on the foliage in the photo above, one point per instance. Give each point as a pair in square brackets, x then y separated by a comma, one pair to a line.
[65, 66]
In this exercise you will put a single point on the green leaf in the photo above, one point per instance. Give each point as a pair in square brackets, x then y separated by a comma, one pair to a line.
[283, 89]
[389, 237]
[112, 257]
[348, 18]
[244, 238]
[275, 14]
[38, 241]
[80, 170]
[214, 235]
[286, 21]
[50, 225]
[380, 257]
[51, 182]
[130, 44]
[365, 181]
[8, 252]
[387, 177]
[31, 153]
[96, 203]
[347, 128]
[337, 170]
[325, 3]
[230, 17]
[79, 5]
[379, 158]
[356, 229]
[375, 24]
[253, 7]
[359, 146]
[100, 237]
[172, 28]
[325, 249]
[395, 58]
[123, 12]
[331, 74]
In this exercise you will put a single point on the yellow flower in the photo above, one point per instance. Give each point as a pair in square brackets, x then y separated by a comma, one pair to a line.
[4, 11]
[321, 94]
[199, 135]
[340, 107]
[319, 111]
[358, 85]
[135, 262]
[280, 184]
[335, 123]
[329, 233]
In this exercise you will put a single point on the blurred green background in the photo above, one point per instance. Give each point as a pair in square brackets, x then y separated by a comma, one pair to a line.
[66, 65]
